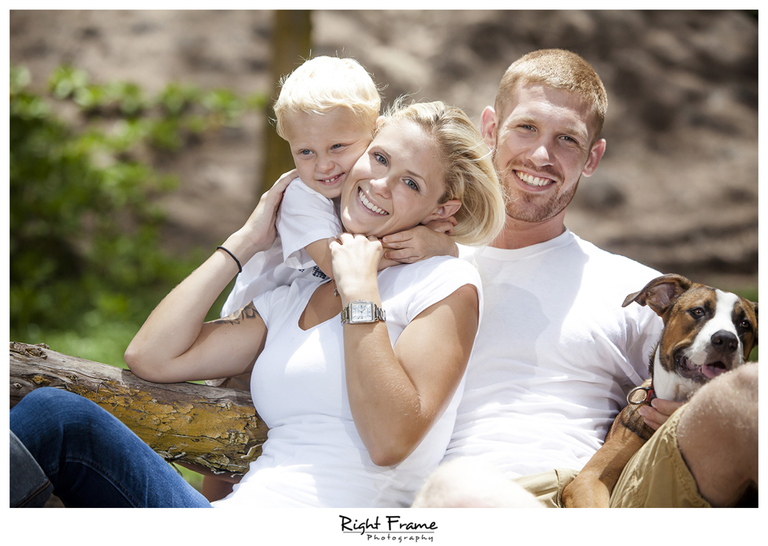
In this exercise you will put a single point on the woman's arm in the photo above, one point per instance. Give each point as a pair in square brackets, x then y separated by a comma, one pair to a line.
[396, 394]
[175, 344]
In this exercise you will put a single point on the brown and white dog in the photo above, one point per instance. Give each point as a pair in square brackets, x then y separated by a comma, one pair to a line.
[706, 332]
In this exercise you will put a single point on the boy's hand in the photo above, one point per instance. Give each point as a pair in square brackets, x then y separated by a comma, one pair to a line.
[443, 225]
[420, 243]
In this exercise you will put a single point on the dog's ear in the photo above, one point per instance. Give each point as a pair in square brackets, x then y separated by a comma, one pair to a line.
[754, 306]
[660, 293]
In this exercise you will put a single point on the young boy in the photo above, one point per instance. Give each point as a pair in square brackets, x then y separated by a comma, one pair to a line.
[327, 111]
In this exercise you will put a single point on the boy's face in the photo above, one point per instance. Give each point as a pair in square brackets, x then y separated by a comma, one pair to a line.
[325, 147]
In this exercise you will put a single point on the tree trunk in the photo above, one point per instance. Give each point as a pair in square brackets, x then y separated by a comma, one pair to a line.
[290, 46]
[195, 425]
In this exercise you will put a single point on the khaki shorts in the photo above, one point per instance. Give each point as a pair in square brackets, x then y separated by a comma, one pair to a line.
[656, 476]
[548, 486]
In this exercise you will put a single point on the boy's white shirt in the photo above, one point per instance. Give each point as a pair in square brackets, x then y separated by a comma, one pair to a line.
[305, 216]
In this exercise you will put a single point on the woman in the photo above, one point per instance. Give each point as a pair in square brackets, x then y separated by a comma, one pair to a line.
[360, 410]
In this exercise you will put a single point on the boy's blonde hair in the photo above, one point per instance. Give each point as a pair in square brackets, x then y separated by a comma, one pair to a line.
[469, 173]
[324, 83]
[559, 69]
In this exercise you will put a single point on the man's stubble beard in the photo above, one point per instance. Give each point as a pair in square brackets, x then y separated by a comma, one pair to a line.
[521, 207]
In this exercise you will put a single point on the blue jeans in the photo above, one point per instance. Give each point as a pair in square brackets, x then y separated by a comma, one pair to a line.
[30, 487]
[91, 458]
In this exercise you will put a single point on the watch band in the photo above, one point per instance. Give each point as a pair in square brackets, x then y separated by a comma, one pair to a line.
[362, 312]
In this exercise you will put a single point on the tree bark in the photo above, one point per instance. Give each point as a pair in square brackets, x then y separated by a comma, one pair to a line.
[195, 425]
[290, 46]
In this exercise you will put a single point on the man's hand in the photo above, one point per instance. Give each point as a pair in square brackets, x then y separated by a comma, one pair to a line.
[420, 243]
[658, 412]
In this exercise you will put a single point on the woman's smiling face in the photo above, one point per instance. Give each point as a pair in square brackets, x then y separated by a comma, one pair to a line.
[396, 183]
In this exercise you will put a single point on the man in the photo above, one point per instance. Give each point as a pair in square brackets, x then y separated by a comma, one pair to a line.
[556, 352]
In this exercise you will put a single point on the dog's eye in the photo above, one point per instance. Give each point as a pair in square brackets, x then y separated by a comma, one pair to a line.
[745, 324]
[697, 312]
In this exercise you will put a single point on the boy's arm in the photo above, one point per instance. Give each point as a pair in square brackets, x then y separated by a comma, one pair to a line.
[320, 253]
[420, 243]
[409, 246]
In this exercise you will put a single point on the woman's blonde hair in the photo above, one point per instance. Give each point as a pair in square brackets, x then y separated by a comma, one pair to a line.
[469, 173]
[324, 83]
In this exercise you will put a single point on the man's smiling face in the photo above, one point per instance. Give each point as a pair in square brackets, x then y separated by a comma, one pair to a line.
[542, 147]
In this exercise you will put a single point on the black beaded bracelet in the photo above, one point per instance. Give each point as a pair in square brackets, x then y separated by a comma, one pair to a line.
[239, 267]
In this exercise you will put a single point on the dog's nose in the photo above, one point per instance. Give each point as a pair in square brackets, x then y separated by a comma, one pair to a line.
[725, 340]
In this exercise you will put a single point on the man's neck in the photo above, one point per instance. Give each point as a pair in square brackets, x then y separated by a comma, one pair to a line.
[517, 234]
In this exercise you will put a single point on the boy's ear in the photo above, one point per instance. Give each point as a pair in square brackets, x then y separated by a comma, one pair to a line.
[443, 211]
[379, 122]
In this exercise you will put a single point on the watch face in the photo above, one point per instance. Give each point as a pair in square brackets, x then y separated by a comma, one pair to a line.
[361, 312]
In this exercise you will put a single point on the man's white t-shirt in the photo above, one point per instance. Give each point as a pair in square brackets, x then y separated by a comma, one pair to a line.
[555, 355]
[305, 216]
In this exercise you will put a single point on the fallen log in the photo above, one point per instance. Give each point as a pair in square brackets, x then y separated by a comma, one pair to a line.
[195, 425]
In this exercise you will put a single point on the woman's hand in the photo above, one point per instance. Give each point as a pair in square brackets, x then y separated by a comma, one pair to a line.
[355, 260]
[259, 232]
[397, 393]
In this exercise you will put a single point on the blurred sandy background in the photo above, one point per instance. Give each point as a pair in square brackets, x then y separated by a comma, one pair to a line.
[677, 188]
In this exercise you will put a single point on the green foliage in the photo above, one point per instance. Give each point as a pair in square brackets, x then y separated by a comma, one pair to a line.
[85, 263]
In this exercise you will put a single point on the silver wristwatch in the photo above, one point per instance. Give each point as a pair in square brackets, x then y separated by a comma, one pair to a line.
[362, 312]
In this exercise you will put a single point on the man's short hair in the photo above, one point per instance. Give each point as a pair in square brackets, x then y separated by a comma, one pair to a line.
[559, 69]
[324, 83]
